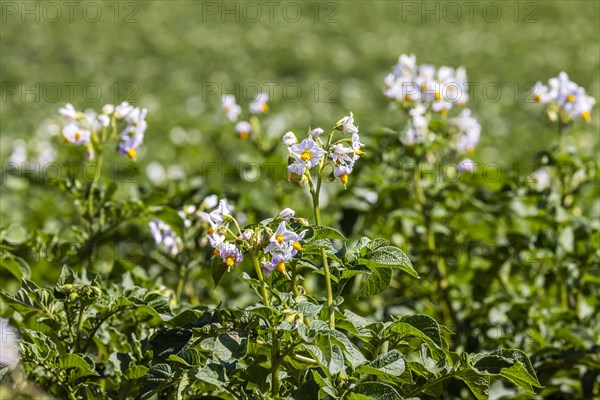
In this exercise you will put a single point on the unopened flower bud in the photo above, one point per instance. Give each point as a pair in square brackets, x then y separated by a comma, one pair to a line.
[316, 133]
[287, 214]
[289, 139]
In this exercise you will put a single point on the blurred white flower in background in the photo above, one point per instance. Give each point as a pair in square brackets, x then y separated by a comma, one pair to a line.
[259, 105]
[565, 99]
[244, 129]
[9, 342]
[231, 108]
[469, 131]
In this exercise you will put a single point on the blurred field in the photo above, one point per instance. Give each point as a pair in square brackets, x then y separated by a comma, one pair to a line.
[318, 59]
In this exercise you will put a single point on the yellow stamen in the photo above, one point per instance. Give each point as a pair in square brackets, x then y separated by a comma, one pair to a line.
[210, 231]
[570, 98]
[131, 153]
[344, 179]
[443, 111]
[586, 115]
[423, 87]
[293, 176]
[537, 97]
[230, 261]
[281, 267]
[305, 156]
[470, 151]
[279, 239]
[217, 253]
[264, 107]
[77, 136]
[407, 97]
[359, 152]
[244, 135]
[438, 96]
[297, 246]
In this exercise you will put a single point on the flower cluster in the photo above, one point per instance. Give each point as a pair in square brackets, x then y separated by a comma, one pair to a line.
[311, 152]
[133, 134]
[244, 128]
[283, 245]
[83, 128]
[565, 99]
[219, 220]
[468, 132]
[435, 88]
[163, 234]
[424, 91]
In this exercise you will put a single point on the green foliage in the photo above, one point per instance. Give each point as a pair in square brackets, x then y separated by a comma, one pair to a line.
[473, 286]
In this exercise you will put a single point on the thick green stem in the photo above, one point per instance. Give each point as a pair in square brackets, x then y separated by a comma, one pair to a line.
[275, 364]
[263, 286]
[561, 272]
[295, 280]
[80, 324]
[438, 262]
[315, 197]
[94, 184]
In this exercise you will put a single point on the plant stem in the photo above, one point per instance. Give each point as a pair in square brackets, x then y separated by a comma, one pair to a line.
[263, 287]
[181, 282]
[434, 382]
[315, 197]
[438, 262]
[294, 280]
[304, 359]
[80, 324]
[274, 364]
[561, 273]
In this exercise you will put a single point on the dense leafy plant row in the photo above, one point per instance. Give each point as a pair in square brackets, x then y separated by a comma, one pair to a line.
[288, 323]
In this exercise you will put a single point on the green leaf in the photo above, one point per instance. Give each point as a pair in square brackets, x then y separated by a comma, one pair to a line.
[169, 341]
[17, 267]
[519, 375]
[213, 374]
[513, 365]
[323, 232]
[377, 243]
[330, 357]
[391, 363]
[423, 327]
[388, 257]
[217, 270]
[352, 353]
[375, 391]
[377, 281]
[157, 378]
[135, 372]
[227, 346]
[74, 361]
[479, 384]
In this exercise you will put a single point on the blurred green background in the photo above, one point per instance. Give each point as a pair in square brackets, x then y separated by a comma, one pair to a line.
[320, 60]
